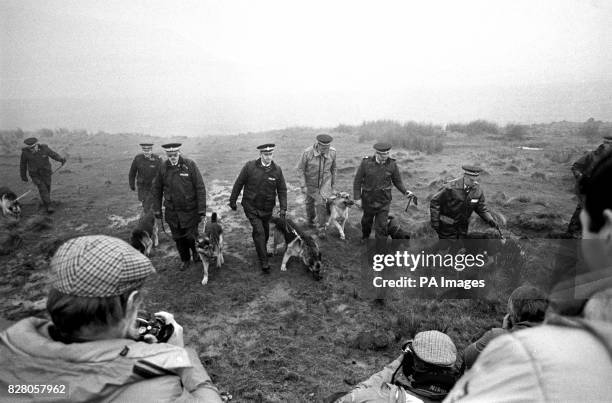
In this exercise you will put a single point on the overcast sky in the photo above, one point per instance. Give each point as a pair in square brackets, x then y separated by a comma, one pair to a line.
[276, 62]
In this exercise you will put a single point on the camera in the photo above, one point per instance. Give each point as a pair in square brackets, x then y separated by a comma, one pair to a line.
[154, 326]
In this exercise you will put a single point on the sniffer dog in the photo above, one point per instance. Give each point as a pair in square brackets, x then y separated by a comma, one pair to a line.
[338, 208]
[210, 246]
[394, 228]
[145, 236]
[299, 244]
[9, 203]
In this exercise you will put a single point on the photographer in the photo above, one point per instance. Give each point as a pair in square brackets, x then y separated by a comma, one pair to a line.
[527, 307]
[90, 345]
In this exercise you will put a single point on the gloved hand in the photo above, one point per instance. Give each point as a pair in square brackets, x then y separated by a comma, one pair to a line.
[133, 188]
[177, 336]
[158, 215]
[282, 214]
[358, 204]
[233, 206]
[63, 161]
[25, 180]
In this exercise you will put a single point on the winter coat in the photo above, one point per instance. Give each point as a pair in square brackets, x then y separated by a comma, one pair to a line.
[451, 207]
[37, 163]
[261, 186]
[374, 181]
[143, 171]
[101, 371]
[317, 171]
[183, 191]
[566, 360]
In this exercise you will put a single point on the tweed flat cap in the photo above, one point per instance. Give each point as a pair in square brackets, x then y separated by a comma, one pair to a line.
[324, 138]
[98, 266]
[435, 347]
[30, 141]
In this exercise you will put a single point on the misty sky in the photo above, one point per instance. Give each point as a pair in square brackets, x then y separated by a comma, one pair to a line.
[226, 66]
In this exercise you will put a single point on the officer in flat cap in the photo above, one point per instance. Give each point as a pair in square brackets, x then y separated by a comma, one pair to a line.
[180, 183]
[451, 207]
[579, 169]
[372, 186]
[35, 160]
[262, 181]
[317, 173]
[142, 172]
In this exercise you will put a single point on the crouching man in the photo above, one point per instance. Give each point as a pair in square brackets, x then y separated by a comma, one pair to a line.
[89, 348]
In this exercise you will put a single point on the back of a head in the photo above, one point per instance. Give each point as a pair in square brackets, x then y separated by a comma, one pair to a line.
[527, 304]
[594, 186]
[92, 278]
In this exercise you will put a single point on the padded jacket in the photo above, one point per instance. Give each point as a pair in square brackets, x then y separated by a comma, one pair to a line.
[117, 370]
[317, 172]
[261, 186]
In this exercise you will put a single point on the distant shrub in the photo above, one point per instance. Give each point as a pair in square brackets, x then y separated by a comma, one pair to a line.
[45, 133]
[474, 127]
[594, 129]
[342, 128]
[411, 135]
[515, 132]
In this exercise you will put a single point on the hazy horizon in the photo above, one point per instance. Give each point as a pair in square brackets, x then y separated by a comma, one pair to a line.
[207, 67]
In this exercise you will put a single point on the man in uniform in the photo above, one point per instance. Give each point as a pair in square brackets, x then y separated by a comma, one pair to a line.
[180, 182]
[35, 160]
[372, 186]
[579, 169]
[317, 172]
[451, 207]
[142, 172]
[262, 181]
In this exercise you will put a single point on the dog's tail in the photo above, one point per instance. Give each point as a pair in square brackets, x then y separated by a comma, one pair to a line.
[213, 217]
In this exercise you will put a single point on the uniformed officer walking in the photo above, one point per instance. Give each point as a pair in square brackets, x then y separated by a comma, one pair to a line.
[372, 186]
[180, 183]
[580, 168]
[35, 160]
[142, 172]
[262, 181]
[317, 173]
[451, 207]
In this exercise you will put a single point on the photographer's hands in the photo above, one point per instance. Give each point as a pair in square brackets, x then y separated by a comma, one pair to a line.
[177, 336]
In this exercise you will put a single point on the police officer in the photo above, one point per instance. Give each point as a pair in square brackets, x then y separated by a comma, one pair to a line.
[180, 182]
[580, 168]
[35, 160]
[317, 173]
[142, 172]
[262, 181]
[451, 207]
[372, 190]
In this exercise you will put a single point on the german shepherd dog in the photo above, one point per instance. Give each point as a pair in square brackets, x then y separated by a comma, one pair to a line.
[145, 236]
[299, 244]
[337, 209]
[9, 203]
[394, 228]
[210, 246]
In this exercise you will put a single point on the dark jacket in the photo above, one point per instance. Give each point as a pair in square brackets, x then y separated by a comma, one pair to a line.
[451, 207]
[183, 190]
[144, 170]
[374, 181]
[585, 163]
[37, 163]
[261, 186]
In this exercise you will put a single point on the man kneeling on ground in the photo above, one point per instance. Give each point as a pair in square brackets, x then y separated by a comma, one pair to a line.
[90, 345]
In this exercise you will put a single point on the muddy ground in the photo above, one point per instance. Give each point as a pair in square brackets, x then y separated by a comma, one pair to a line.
[285, 337]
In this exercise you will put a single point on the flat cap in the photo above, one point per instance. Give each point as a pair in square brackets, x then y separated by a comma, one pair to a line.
[435, 347]
[324, 138]
[382, 147]
[98, 266]
[146, 145]
[170, 147]
[266, 148]
[30, 141]
[471, 170]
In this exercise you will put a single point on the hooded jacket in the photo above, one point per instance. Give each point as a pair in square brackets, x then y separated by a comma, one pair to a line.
[566, 360]
[98, 371]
